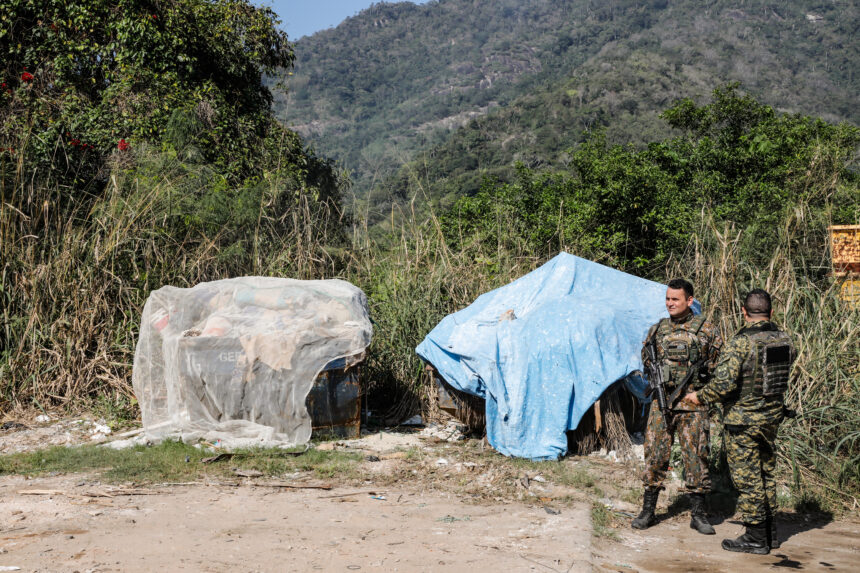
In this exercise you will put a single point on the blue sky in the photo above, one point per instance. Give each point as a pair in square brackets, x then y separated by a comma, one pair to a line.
[303, 17]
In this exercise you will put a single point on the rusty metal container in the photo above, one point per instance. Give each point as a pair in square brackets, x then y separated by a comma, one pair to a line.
[845, 254]
[850, 292]
[845, 249]
[334, 401]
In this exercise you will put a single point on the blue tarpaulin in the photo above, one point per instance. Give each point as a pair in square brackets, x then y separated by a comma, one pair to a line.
[542, 349]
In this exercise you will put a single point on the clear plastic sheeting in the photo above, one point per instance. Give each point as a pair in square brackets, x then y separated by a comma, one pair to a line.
[233, 360]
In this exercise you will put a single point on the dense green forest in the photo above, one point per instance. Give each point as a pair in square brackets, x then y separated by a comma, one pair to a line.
[139, 147]
[424, 101]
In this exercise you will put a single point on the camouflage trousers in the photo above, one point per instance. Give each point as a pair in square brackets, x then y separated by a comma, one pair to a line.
[751, 453]
[693, 429]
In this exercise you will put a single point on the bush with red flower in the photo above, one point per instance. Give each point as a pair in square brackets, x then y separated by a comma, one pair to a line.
[111, 69]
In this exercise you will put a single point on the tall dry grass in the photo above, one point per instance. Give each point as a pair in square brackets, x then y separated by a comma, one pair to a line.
[74, 278]
[75, 274]
[821, 447]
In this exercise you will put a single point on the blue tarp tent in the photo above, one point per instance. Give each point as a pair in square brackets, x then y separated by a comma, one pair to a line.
[542, 349]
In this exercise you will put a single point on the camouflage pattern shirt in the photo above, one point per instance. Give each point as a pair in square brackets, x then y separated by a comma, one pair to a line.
[725, 387]
[710, 343]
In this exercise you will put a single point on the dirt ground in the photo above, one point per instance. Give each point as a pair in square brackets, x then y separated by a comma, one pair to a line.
[671, 546]
[249, 528]
[395, 519]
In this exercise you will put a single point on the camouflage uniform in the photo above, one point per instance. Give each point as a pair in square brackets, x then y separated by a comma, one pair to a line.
[751, 421]
[690, 422]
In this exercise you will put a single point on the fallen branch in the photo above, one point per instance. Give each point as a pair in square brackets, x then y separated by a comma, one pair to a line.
[296, 486]
[539, 563]
[351, 493]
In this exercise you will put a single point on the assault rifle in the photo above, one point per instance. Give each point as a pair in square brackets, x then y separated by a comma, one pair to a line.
[654, 371]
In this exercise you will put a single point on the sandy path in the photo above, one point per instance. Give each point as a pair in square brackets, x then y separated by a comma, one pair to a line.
[246, 528]
[671, 546]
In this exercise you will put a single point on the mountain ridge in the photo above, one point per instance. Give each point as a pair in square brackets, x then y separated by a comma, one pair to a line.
[521, 81]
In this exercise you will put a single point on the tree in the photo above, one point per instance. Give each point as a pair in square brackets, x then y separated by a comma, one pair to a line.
[737, 160]
[82, 79]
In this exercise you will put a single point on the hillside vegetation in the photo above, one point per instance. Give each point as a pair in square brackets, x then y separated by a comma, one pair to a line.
[424, 101]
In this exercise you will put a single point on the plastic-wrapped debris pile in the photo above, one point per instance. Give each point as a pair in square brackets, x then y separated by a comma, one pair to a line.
[452, 431]
[234, 360]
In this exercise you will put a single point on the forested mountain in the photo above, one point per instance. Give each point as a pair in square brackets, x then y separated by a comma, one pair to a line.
[435, 97]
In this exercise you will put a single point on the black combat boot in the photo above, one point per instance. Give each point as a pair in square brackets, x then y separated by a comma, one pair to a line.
[772, 535]
[646, 517]
[698, 517]
[754, 540]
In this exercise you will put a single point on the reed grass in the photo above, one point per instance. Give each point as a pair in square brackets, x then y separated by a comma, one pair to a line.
[75, 275]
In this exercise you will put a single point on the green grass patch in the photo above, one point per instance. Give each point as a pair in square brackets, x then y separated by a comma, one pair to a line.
[632, 495]
[561, 472]
[601, 522]
[174, 461]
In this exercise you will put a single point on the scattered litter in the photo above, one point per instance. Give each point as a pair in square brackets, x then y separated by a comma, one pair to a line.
[413, 421]
[247, 473]
[41, 419]
[453, 431]
[452, 519]
[552, 511]
[13, 426]
[9, 568]
[379, 497]
[539, 479]
[441, 462]
[372, 458]
[611, 455]
[101, 428]
[619, 507]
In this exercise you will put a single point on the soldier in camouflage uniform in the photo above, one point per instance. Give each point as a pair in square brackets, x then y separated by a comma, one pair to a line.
[750, 381]
[682, 340]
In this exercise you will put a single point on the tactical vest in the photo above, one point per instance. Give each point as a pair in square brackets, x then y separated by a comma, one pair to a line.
[765, 371]
[681, 347]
